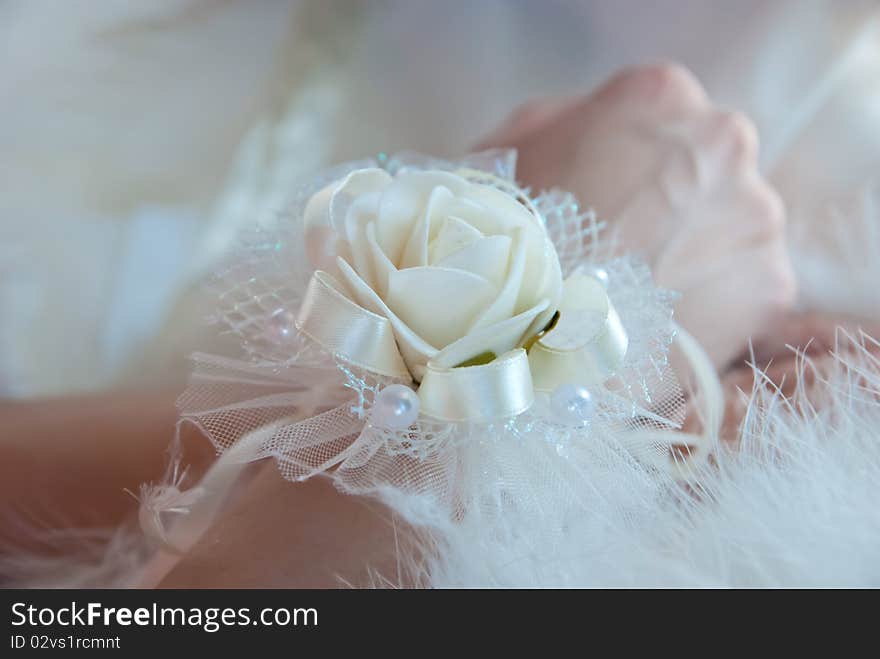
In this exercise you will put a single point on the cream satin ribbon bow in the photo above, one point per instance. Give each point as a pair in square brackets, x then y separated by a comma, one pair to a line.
[585, 345]
[330, 318]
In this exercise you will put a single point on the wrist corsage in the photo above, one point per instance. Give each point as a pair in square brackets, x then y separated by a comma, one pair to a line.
[431, 333]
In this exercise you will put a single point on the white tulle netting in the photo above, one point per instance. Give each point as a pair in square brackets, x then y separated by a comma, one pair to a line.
[310, 410]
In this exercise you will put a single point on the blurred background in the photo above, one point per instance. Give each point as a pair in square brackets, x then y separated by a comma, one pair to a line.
[137, 137]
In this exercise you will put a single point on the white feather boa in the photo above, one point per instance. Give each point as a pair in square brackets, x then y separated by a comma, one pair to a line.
[792, 505]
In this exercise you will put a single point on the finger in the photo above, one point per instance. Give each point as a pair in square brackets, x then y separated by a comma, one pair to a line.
[726, 301]
[729, 138]
[742, 212]
[811, 331]
[664, 88]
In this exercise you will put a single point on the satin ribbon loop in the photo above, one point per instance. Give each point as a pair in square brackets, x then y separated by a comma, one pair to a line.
[588, 343]
[330, 318]
[502, 388]
[586, 346]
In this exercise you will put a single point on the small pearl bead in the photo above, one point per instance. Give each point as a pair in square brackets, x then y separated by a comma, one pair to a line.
[281, 326]
[573, 403]
[396, 406]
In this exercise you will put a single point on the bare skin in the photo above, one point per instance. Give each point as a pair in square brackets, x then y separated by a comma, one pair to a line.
[719, 239]
[69, 462]
[326, 540]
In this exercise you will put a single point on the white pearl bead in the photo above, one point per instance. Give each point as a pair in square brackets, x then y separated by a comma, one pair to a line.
[396, 406]
[281, 326]
[573, 403]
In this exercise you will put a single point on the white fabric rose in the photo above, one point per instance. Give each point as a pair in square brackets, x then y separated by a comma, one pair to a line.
[459, 268]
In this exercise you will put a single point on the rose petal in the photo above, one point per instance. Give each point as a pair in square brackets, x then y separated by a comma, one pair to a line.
[357, 183]
[403, 203]
[497, 338]
[486, 257]
[543, 275]
[454, 234]
[416, 252]
[504, 305]
[322, 243]
[551, 281]
[439, 304]
[477, 215]
[361, 212]
[414, 349]
[504, 208]
[382, 266]
[501, 213]
[324, 238]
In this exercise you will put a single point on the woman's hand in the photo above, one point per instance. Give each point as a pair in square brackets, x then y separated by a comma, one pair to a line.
[677, 178]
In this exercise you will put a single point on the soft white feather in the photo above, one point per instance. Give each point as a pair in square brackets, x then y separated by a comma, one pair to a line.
[793, 505]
